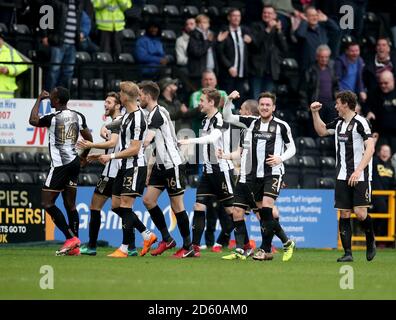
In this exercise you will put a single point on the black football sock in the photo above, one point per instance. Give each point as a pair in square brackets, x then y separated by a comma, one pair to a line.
[367, 225]
[74, 221]
[240, 232]
[94, 226]
[198, 226]
[137, 223]
[266, 226]
[127, 225]
[60, 221]
[132, 245]
[225, 234]
[159, 220]
[346, 235]
[184, 228]
[279, 232]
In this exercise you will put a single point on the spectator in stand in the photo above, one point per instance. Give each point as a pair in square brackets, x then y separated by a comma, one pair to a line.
[9, 71]
[182, 42]
[384, 59]
[383, 179]
[182, 58]
[321, 84]
[63, 40]
[178, 111]
[208, 80]
[110, 21]
[285, 12]
[200, 50]
[312, 33]
[86, 44]
[266, 49]
[149, 50]
[232, 53]
[349, 69]
[382, 108]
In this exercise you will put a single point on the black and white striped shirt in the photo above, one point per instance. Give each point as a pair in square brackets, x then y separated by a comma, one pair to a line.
[133, 127]
[211, 162]
[349, 140]
[261, 140]
[63, 130]
[71, 23]
[166, 150]
[111, 168]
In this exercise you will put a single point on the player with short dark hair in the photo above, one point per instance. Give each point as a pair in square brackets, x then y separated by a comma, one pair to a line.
[354, 152]
[64, 126]
[166, 172]
[103, 190]
[265, 141]
[216, 179]
[131, 175]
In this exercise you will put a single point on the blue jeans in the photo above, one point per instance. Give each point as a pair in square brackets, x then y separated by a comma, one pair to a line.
[261, 84]
[59, 75]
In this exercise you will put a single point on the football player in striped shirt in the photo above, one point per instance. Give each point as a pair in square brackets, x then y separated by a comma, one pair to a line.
[131, 176]
[103, 190]
[166, 173]
[267, 143]
[354, 153]
[64, 126]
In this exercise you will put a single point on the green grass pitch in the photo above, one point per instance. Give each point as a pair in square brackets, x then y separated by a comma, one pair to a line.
[311, 274]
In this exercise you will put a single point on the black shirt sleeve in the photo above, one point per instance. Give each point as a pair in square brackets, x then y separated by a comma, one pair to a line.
[45, 121]
[156, 121]
[246, 120]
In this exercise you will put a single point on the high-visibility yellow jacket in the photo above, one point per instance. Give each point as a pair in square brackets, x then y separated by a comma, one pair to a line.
[109, 14]
[8, 81]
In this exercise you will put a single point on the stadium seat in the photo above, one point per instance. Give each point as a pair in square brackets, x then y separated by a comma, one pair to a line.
[125, 58]
[292, 173]
[306, 146]
[3, 28]
[5, 178]
[88, 179]
[326, 146]
[43, 160]
[83, 57]
[96, 87]
[39, 177]
[22, 38]
[6, 163]
[192, 180]
[309, 172]
[325, 183]
[102, 57]
[171, 11]
[22, 178]
[128, 38]
[190, 11]
[328, 167]
[151, 10]
[114, 85]
[212, 12]
[24, 161]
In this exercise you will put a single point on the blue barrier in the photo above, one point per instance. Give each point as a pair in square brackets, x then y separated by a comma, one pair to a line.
[307, 216]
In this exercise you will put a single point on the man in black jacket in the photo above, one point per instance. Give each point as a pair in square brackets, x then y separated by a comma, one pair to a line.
[232, 53]
[63, 40]
[266, 49]
[321, 84]
[200, 50]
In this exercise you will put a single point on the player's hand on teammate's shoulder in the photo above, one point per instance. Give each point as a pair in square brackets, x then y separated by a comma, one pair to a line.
[315, 106]
[233, 95]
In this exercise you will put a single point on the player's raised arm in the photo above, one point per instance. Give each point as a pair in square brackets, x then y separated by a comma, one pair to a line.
[319, 125]
[34, 118]
[210, 138]
[227, 113]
